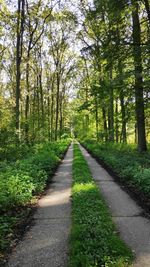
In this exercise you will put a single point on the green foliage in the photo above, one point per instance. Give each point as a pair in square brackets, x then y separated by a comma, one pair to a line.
[132, 166]
[6, 224]
[12, 151]
[22, 180]
[94, 241]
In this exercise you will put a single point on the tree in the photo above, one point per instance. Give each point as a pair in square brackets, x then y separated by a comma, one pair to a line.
[138, 78]
[19, 48]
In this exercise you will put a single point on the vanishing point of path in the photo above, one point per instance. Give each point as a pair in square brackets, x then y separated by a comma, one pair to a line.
[46, 243]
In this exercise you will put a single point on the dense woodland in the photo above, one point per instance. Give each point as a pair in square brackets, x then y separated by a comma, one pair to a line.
[74, 69]
[77, 67]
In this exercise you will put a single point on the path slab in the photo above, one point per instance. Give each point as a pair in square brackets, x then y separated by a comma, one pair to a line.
[134, 228]
[46, 243]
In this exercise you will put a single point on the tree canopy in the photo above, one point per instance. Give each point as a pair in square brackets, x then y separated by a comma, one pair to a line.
[75, 68]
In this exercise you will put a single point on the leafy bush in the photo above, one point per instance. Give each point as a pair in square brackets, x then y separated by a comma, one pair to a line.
[13, 152]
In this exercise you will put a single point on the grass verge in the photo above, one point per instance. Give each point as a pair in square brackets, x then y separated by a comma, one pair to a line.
[94, 241]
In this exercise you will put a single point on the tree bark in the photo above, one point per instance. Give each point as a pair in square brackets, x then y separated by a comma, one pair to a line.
[111, 109]
[57, 105]
[52, 110]
[27, 97]
[123, 110]
[19, 45]
[116, 122]
[105, 123]
[140, 117]
[147, 7]
[41, 97]
[96, 118]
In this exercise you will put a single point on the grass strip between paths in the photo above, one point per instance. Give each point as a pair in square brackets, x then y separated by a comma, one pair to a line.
[94, 240]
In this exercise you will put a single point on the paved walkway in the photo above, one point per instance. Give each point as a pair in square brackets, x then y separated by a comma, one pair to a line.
[133, 227]
[46, 243]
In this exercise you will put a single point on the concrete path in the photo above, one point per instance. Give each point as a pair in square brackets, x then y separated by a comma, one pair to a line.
[46, 243]
[133, 227]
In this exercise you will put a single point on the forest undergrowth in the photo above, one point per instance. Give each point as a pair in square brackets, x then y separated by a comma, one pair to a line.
[22, 179]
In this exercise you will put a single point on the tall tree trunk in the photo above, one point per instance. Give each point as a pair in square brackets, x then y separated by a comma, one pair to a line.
[123, 111]
[48, 107]
[52, 110]
[41, 97]
[34, 112]
[57, 105]
[61, 116]
[147, 7]
[27, 98]
[123, 117]
[117, 122]
[111, 109]
[62, 100]
[19, 46]
[96, 118]
[38, 103]
[138, 78]
[105, 123]
[49, 122]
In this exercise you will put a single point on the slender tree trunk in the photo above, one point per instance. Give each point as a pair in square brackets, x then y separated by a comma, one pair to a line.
[49, 122]
[138, 78]
[27, 98]
[38, 103]
[19, 45]
[117, 122]
[52, 110]
[57, 106]
[41, 98]
[111, 110]
[123, 111]
[62, 98]
[105, 123]
[34, 112]
[48, 109]
[96, 118]
[123, 117]
[61, 117]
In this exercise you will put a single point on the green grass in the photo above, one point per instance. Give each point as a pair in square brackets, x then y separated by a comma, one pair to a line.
[94, 241]
[132, 167]
[21, 183]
